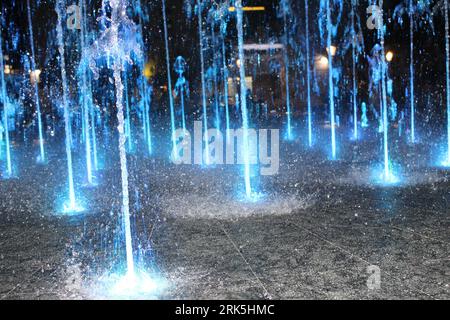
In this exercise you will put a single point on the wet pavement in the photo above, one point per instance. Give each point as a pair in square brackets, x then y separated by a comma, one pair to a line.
[314, 236]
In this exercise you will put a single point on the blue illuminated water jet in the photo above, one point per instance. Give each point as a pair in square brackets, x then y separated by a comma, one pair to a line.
[285, 13]
[331, 30]
[128, 132]
[411, 71]
[119, 42]
[355, 87]
[202, 65]
[447, 68]
[71, 205]
[225, 78]
[86, 103]
[145, 89]
[331, 83]
[181, 87]
[413, 9]
[42, 158]
[214, 68]
[388, 175]
[245, 146]
[169, 82]
[308, 75]
[5, 102]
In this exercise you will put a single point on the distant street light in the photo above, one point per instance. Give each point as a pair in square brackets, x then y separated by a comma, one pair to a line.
[333, 50]
[35, 76]
[389, 56]
[322, 63]
[260, 8]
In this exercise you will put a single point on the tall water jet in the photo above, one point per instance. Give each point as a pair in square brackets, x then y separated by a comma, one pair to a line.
[447, 68]
[5, 102]
[216, 90]
[91, 100]
[355, 88]
[411, 71]
[169, 86]
[222, 14]
[93, 133]
[36, 88]
[202, 65]
[71, 206]
[181, 87]
[308, 74]
[387, 176]
[87, 102]
[285, 12]
[413, 9]
[331, 82]
[144, 87]
[225, 84]
[118, 42]
[243, 87]
[128, 115]
[327, 27]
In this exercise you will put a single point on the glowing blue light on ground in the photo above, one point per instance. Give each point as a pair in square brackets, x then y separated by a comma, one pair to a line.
[445, 163]
[9, 174]
[132, 286]
[443, 159]
[68, 207]
[254, 197]
[72, 208]
[379, 176]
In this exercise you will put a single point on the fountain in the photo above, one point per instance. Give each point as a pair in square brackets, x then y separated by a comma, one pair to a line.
[413, 9]
[145, 90]
[447, 69]
[119, 42]
[181, 87]
[388, 176]
[41, 158]
[169, 84]
[223, 29]
[128, 114]
[285, 12]
[308, 74]
[331, 83]
[243, 87]
[86, 98]
[357, 48]
[202, 62]
[5, 102]
[411, 71]
[71, 206]
[93, 153]
[331, 30]
[212, 18]
[105, 83]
